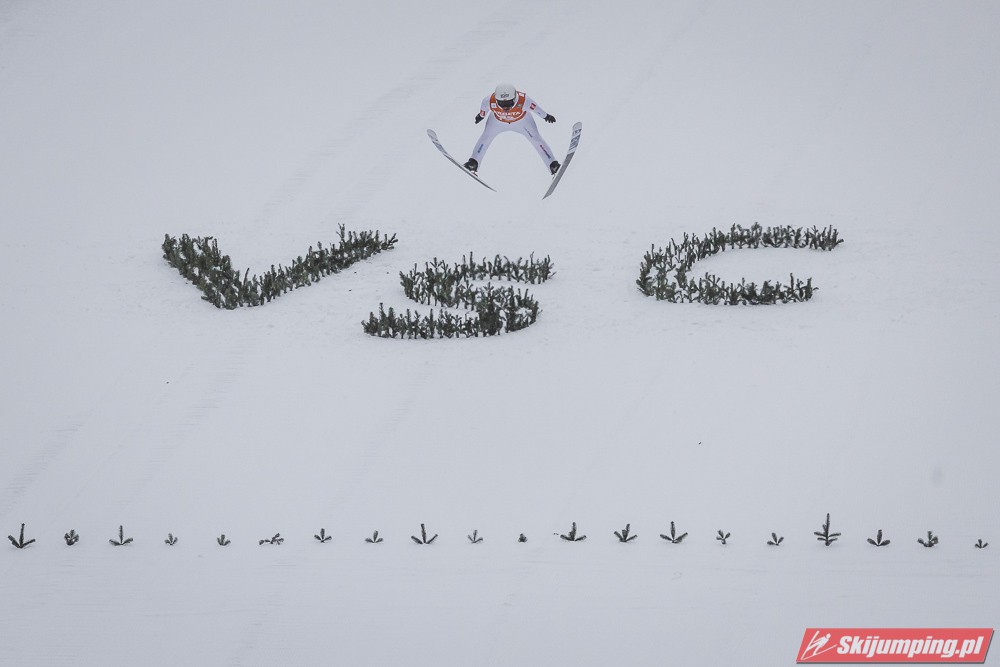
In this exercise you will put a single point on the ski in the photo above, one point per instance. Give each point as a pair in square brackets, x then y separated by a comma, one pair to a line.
[573, 142]
[434, 138]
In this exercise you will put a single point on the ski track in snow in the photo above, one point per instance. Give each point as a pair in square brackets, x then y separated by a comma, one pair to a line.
[160, 427]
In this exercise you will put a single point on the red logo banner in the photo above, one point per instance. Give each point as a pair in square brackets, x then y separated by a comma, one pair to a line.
[894, 645]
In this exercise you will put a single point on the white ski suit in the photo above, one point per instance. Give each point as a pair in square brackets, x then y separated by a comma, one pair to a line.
[515, 119]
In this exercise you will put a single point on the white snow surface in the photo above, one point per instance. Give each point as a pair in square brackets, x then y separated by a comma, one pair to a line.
[128, 400]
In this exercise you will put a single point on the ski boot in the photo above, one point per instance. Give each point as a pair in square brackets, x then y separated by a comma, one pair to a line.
[554, 167]
[472, 165]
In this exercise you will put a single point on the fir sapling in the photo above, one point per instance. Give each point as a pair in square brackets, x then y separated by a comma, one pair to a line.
[775, 540]
[522, 538]
[981, 545]
[674, 538]
[474, 538]
[223, 542]
[930, 541]
[825, 536]
[323, 538]
[374, 539]
[122, 540]
[423, 536]
[623, 535]
[171, 540]
[277, 539]
[878, 541]
[722, 537]
[20, 542]
[571, 536]
[71, 538]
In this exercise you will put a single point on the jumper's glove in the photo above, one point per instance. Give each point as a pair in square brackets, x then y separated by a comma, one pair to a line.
[549, 118]
[478, 118]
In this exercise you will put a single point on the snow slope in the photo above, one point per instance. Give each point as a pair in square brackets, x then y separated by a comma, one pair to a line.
[127, 400]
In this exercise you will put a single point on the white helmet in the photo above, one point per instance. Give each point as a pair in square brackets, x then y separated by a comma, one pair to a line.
[505, 95]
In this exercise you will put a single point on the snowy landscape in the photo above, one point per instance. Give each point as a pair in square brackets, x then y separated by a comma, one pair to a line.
[132, 409]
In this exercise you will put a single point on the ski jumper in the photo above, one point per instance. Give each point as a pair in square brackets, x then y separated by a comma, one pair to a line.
[515, 119]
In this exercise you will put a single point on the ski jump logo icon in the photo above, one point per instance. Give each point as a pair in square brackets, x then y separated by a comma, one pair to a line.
[816, 646]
